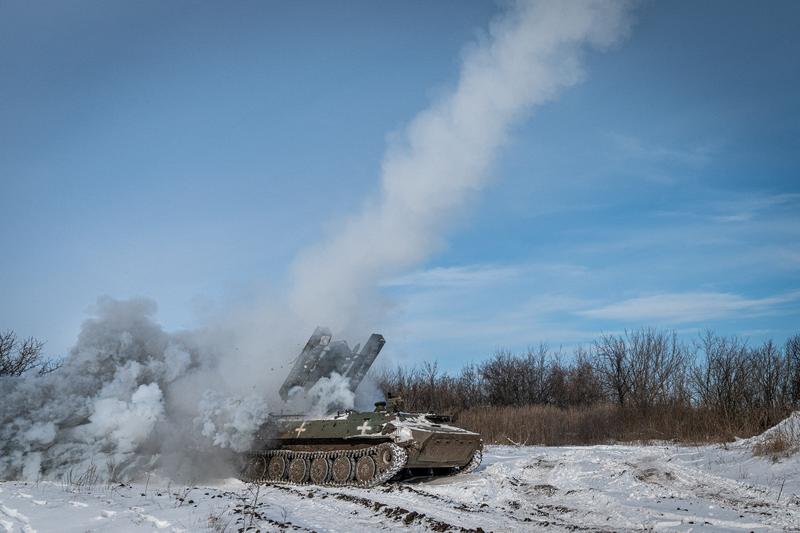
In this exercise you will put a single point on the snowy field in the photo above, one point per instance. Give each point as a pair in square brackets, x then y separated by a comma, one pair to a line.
[597, 488]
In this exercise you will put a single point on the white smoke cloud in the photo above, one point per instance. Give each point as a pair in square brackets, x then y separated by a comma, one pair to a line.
[445, 153]
[328, 394]
[229, 421]
[128, 395]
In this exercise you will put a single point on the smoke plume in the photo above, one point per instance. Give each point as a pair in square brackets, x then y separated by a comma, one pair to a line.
[445, 153]
[129, 395]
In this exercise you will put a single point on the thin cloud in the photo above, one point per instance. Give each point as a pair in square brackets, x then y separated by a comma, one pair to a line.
[492, 331]
[481, 275]
[634, 148]
[437, 316]
[737, 208]
[457, 276]
[688, 307]
[748, 208]
[788, 257]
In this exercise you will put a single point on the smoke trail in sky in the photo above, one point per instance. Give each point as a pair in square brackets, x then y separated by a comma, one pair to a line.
[530, 54]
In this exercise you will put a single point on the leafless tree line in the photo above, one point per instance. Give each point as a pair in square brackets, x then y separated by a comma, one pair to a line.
[23, 356]
[733, 387]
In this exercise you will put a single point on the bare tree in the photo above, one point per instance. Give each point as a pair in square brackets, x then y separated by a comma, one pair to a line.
[768, 375]
[642, 368]
[793, 363]
[721, 378]
[469, 389]
[611, 363]
[658, 360]
[584, 386]
[534, 368]
[20, 357]
[502, 379]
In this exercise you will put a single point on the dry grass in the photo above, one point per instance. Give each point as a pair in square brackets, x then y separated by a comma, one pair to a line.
[776, 445]
[541, 424]
[553, 426]
[780, 442]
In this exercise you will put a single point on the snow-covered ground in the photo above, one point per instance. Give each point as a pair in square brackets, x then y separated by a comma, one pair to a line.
[596, 488]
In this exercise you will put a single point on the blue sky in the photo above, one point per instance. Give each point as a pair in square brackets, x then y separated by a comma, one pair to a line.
[188, 152]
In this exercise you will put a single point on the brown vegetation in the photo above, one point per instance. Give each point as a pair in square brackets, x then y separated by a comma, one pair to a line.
[776, 445]
[638, 386]
[780, 441]
[599, 424]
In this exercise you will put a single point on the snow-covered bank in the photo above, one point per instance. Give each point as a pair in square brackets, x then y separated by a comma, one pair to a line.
[597, 488]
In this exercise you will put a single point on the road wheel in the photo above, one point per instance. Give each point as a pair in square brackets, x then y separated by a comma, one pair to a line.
[277, 468]
[320, 469]
[365, 469]
[342, 469]
[256, 468]
[385, 457]
[298, 470]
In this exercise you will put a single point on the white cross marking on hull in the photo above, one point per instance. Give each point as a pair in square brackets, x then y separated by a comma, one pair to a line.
[301, 428]
[363, 428]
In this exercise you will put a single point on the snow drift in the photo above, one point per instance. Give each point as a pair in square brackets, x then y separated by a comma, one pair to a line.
[781, 439]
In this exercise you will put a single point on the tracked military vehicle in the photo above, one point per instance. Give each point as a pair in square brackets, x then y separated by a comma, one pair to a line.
[355, 448]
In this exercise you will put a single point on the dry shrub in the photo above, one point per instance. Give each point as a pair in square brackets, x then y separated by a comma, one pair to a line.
[553, 426]
[775, 445]
[538, 424]
[781, 441]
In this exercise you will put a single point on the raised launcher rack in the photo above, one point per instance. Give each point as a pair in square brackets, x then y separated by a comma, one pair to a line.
[323, 356]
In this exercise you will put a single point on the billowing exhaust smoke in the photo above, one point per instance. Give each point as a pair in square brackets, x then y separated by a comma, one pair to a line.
[531, 53]
[129, 398]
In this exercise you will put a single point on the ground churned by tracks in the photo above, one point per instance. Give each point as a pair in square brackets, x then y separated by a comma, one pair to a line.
[599, 488]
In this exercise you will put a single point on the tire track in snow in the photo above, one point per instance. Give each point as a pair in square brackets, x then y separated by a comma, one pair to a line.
[15, 516]
[653, 481]
[727, 493]
[409, 506]
[356, 501]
